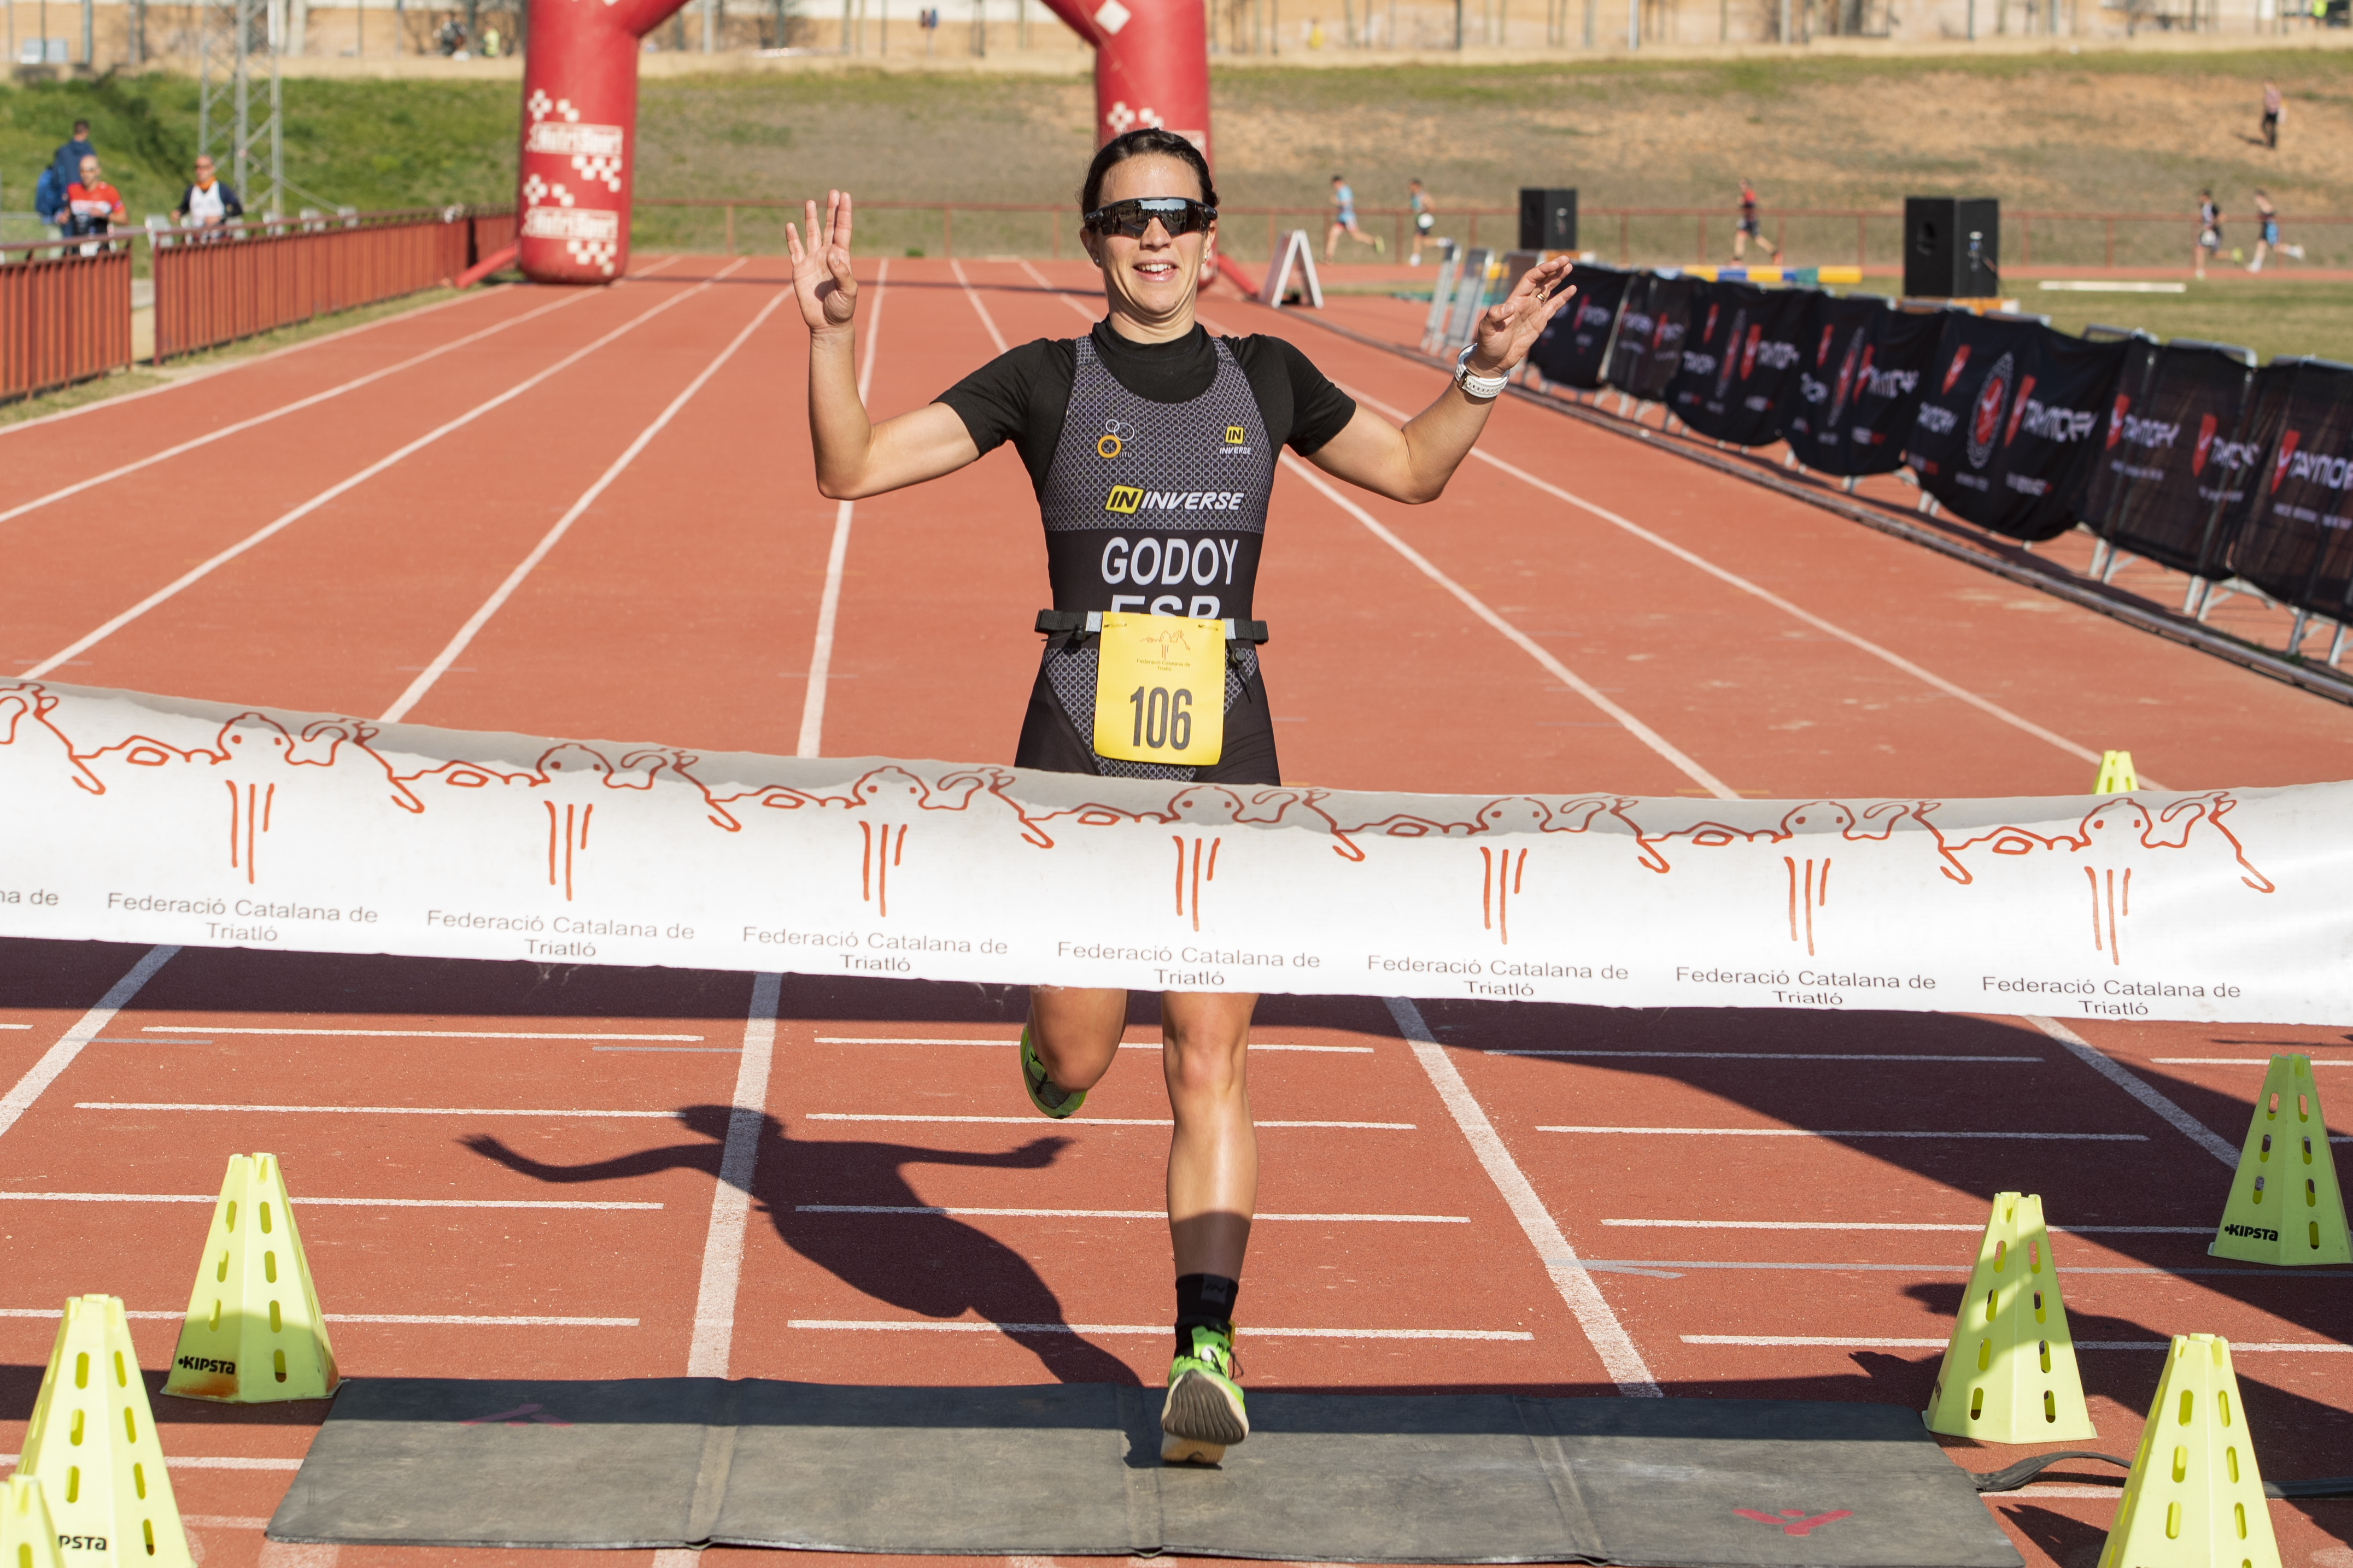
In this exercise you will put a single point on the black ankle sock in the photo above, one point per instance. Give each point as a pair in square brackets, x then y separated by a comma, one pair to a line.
[1207, 1299]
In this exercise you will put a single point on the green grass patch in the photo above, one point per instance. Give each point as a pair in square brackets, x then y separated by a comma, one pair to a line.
[2272, 318]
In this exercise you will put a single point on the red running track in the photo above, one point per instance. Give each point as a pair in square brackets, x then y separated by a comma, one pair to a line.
[1617, 618]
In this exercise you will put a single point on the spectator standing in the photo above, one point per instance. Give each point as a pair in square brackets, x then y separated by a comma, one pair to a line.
[2275, 108]
[1344, 220]
[207, 203]
[1425, 217]
[49, 197]
[66, 159]
[2210, 232]
[93, 205]
[491, 43]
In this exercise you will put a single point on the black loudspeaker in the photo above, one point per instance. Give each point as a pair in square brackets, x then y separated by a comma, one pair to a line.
[1952, 247]
[1547, 219]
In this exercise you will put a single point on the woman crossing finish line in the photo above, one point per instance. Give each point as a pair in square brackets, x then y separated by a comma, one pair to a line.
[1152, 448]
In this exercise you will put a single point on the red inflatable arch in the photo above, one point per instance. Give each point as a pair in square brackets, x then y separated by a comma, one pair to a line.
[580, 111]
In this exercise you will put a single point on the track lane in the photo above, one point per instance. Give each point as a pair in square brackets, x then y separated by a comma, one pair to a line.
[390, 560]
[156, 525]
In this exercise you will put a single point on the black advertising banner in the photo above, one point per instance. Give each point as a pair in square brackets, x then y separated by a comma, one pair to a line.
[2296, 541]
[1718, 311]
[2007, 428]
[1762, 382]
[2175, 458]
[1650, 343]
[1740, 357]
[1858, 385]
[1574, 349]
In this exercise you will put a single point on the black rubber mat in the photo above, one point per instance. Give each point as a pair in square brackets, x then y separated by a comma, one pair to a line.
[1073, 1469]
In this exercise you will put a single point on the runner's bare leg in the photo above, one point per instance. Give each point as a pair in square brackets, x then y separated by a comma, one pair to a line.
[1213, 1155]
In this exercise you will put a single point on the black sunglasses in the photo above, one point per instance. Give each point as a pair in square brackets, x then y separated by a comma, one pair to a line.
[1177, 215]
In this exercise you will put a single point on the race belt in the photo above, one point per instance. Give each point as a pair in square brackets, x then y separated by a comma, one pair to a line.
[1160, 682]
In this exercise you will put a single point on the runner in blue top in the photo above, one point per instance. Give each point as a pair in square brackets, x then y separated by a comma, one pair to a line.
[1344, 220]
[1149, 404]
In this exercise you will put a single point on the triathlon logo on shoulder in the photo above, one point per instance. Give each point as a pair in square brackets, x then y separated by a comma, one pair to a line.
[1123, 499]
[1992, 403]
[1113, 439]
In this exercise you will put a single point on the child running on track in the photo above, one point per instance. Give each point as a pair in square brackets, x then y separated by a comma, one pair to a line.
[1147, 398]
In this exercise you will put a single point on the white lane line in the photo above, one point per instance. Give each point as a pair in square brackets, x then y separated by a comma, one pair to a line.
[1620, 1357]
[60, 1057]
[207, 439]
[1154, 1045]
[425, 1319]
[1829, 628]
[1891, 1225]
[1857, 1342]
[310, 1203]
[1062, 293]
[679, 1050]
[16, 1026]
[2180, 1121]
[1161, 1213]
[2238, 1062]
[837, 558]
[1768, 1056]
[361, 1110]
[269, 531]
[450, 653]
[1158, 1331]
[1090, 1121]
[413, 1034]
[731, 1197]
[1553, 667]
[972, 294]
[1826, 1133]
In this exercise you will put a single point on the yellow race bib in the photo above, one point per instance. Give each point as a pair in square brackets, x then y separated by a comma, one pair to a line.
[1160, 690]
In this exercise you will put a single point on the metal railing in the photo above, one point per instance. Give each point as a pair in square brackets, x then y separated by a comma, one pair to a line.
[65, 312]
[215, 286]
[1658, 236]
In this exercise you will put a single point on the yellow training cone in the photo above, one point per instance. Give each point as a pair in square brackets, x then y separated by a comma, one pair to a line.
[253, 1332]
[2116, 774]
[2009, 1371]
[91, 1446]
[28, 1539]
[2194, 1496]
[2284, 1203]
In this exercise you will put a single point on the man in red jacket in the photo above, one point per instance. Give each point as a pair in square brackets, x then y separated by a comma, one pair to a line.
[91, 204]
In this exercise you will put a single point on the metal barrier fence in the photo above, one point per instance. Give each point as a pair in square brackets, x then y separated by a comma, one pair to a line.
[215, 285]
[1625, 235]
[64, 314]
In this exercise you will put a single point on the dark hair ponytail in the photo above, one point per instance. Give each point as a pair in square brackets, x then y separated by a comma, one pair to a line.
[1144, 143]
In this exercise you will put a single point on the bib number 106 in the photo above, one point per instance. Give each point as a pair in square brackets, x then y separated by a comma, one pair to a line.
[1162, 718]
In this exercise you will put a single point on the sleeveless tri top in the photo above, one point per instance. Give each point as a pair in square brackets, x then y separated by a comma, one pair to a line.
[1157, 508]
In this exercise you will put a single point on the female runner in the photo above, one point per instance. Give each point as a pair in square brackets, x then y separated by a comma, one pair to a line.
[1146, 410]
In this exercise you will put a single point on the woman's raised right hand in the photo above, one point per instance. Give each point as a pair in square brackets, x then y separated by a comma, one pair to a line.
[821, 275]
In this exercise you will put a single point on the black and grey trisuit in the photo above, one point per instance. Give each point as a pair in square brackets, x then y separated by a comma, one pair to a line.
[1153, 464]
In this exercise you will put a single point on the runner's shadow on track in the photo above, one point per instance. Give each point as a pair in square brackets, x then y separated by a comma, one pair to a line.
[957, 1268]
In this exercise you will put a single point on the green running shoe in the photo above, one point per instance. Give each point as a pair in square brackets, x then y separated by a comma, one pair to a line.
[1204, 1414]
[1049, 1099]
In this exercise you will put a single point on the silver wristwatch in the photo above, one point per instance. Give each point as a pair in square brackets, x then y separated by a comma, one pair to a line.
[1485, 388]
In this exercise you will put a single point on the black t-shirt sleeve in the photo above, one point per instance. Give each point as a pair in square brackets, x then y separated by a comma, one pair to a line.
[1302, 409]
[1018, 397]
